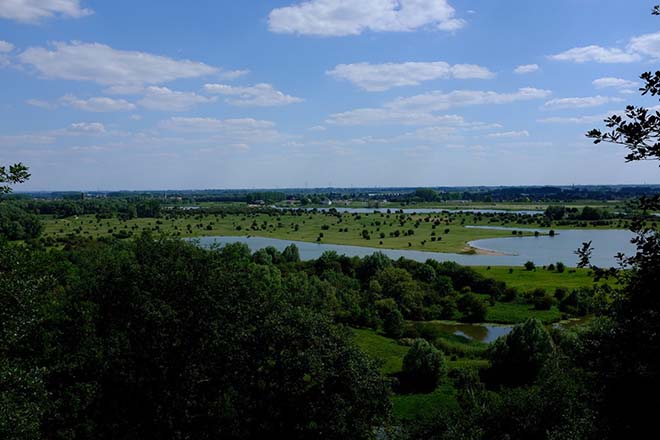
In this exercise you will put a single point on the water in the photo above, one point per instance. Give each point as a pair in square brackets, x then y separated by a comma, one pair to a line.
[542, 250]
[417, 210]
[477, 332]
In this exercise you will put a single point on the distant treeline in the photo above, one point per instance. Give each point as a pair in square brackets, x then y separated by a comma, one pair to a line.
[435, 194]
[526, 194]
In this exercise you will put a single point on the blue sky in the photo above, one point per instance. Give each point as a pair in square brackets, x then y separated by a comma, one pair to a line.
[253, 94]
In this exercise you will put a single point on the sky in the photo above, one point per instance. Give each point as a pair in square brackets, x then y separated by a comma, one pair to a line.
[146, 95]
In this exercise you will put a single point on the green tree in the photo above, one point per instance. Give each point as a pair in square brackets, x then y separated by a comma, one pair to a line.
[517, 358]
[472, 307]
[17, 173]
[424, 366]
[393, 323]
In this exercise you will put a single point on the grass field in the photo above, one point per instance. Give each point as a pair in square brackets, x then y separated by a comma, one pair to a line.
[390, 354]
[517, 312]
[427, 232]
[524, 280]
[508, 206]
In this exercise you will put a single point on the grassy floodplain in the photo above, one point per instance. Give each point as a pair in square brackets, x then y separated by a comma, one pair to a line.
[437, 232]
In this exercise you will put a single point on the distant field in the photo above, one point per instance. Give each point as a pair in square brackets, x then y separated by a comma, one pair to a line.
[540, 278]
[432, 232]
[509, 206]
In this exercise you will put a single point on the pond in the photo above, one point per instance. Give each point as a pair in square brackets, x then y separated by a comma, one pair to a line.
[542, 250]
[477, 332]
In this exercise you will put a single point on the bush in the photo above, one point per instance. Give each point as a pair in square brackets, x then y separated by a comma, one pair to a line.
[517, 358]
[544, 302]
[393, 323]
[530, 265]
[472, 308]
[424, 366]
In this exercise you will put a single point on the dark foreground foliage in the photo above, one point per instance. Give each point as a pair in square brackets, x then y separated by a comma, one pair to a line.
[161, 339]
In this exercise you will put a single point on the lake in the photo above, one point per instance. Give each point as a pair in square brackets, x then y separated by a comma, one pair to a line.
[542, 250]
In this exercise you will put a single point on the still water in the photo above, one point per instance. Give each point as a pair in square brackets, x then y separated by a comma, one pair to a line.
[542, 250]
[477, 332]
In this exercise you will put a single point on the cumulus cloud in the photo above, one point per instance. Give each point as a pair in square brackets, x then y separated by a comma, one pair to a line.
[32, 11]
[260, 95]
[382, 116]
[611, 82]
[164, 99]
[205, 125]
[107, 66]
[647, 44]
[596, 54]
[6, 46]
[421, 109]
[380, 77]
[639, 47]
[350, 17]
[438, 101]
[582, 102]
[232, 74]
[526, 68]
[86, 128]
[96, 104]
[244, 130]
[509, 134]
[588, 119]
[41, 103]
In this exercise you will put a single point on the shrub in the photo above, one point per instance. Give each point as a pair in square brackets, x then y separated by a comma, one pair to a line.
[472, 308]
[517, 358]
[424, 366]
[393, 323]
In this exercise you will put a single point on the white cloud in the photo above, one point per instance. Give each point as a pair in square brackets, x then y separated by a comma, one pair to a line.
[26, 139]
[582, 102]
[596, 53]
[575, 119]
[438, 101]
[86, 128]
[32, 11]
[647, 44]
[379, 77]
[233, 74]
[205, 125]
[382, 116]
[351, 17]
[164, 99]
[6, 46]
[245, 130]
[526, 68]
[260, 95]
[97, 104]
[107, 66]
[317, 128]
[509, 134]
[41, 104]
[618, 83]
[420, 109]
